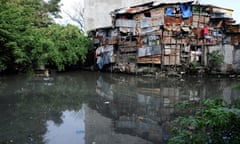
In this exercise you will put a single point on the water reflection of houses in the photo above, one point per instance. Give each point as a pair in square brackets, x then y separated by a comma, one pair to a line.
[133, 113]
[170, 33]
[137, 107]
[144, 106]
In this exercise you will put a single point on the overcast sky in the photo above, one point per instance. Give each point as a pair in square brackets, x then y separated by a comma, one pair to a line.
[69, 5]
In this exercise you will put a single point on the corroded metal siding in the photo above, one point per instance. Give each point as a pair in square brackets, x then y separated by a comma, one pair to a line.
[125, 23]
[152, 22]
[149, 51]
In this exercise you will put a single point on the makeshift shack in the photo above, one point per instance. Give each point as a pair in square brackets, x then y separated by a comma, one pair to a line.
[175, 33]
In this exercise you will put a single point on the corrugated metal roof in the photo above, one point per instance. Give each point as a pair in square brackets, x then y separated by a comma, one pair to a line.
[160, 2]
[213, 6]
[149, 5]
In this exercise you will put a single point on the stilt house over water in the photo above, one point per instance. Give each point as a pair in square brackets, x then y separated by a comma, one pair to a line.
[176, 34]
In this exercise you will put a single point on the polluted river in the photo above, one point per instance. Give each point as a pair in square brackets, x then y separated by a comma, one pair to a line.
[99, 108]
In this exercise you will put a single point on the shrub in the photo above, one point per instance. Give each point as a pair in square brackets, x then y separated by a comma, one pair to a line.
[214, 121]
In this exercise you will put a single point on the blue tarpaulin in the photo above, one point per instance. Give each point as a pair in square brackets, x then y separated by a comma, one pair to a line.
[186, 10]
[104, 55]
[169, 12]
[100, 62]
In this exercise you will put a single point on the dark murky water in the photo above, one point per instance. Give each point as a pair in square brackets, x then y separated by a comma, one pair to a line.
[98, 108]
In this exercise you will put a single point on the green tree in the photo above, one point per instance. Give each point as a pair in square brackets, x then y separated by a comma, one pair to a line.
[62, 46]
[29, 37]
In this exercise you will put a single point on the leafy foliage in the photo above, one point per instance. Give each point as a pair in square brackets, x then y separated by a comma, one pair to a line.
[214, 122]
[236, 86]
[70, 46]
[194, 64]
[215, 59]
[29, 37]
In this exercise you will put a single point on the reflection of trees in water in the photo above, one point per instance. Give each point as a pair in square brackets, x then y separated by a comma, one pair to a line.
[40, 100]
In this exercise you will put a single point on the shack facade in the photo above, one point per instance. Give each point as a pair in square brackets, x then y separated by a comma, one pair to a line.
[174, 34]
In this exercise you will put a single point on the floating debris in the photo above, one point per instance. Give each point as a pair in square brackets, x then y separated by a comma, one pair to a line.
[106, 102]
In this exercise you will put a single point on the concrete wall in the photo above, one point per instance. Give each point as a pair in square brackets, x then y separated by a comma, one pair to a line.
[231, 57]
[236, 61]
[97, 12]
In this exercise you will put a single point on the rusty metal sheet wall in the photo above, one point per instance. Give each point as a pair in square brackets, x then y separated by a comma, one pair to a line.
[125, 23]
[149, 30]
[172, 20]
[151, 22]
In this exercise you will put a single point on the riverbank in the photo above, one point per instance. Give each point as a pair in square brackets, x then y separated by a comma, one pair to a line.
[158, 72]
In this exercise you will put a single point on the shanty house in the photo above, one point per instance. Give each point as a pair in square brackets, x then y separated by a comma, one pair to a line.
[172, 33]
